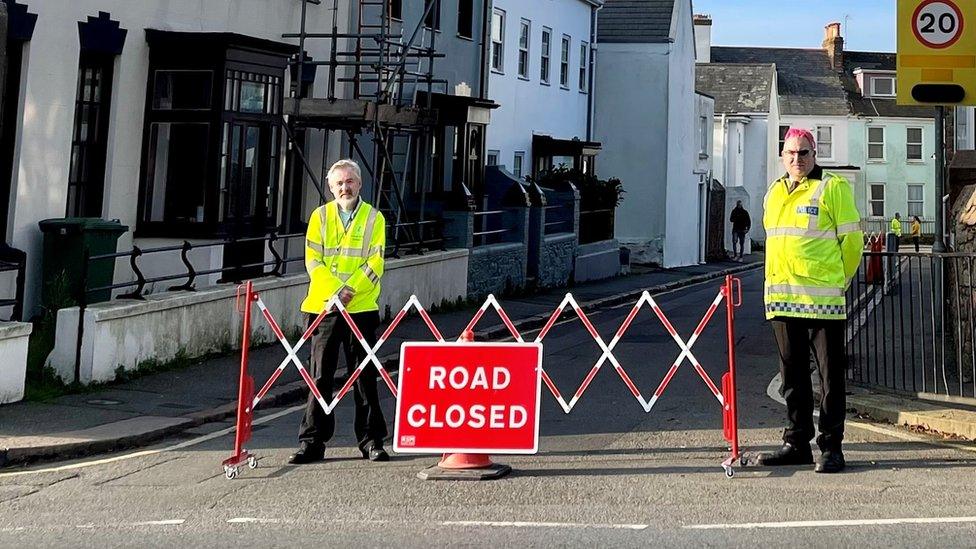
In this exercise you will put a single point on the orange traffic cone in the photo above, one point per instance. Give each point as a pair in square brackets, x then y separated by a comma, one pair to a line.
[465, 466]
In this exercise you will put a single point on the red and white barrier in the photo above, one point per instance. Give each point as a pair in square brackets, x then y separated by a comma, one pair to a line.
[730, 292]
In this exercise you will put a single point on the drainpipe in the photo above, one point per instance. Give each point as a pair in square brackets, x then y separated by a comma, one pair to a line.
[592, 73]
[486, 11]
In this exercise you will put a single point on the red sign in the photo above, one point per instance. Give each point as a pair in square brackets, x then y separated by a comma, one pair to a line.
[477, 398]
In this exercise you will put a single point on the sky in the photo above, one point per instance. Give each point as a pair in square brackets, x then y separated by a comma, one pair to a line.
[870, 24]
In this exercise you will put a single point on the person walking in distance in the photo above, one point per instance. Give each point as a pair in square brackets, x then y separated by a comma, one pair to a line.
[916, 231]
[814, 244]
[741, 223]
[344, 250]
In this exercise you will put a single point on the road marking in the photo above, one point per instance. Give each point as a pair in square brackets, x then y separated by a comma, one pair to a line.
[170, 522]
[250, 520]
[514, 524]
[144, 453]
[772, 390]
[830, 523]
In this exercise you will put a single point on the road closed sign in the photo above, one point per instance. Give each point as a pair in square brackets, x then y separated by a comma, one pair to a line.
[479, 398]
[936, 52]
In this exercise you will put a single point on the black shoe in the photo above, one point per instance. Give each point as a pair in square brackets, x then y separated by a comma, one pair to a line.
[307, 453]
[787, 455]
[376, 453]
[830, 461]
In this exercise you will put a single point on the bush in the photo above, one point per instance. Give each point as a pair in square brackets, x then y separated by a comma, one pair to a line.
[595, 193]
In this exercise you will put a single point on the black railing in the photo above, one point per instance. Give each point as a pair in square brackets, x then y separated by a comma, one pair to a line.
[414, 237]
[190, 273]
[488, 227]
[911, 324]
[559, 218]
[595, 225]
[14, 260]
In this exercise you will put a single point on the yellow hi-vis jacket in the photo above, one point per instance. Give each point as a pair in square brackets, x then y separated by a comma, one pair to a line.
[350, 256]
[896, 226]
[813, 246]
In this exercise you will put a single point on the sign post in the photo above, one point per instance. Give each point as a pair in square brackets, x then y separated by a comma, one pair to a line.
[937, 66]
[468, 398]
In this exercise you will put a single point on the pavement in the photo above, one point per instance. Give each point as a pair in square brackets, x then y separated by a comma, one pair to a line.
[154, 407]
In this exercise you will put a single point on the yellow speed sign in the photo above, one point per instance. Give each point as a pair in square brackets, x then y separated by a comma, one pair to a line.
[936, 52]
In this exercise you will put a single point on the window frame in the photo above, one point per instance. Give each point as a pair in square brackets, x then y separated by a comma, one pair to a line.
[703, 136]
[518, 164]
[882, 143]
[433, 19]
[565, 52]
[525, 30]
[584, 72]
[468, 21]
[783, 130]
[395, 10]
[545, 57]
[874, 92]
[920, 202]
[498, 47]
[87, 169]
[830, 141]
[490, 154]
[270, 67]
[920, 144]
[872, 201]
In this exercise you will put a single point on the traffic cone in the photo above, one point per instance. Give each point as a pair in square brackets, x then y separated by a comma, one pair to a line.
[465, 466]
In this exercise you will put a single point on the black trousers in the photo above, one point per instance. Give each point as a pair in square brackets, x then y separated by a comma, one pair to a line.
[331, 335]
[794, 337]
[738, 239]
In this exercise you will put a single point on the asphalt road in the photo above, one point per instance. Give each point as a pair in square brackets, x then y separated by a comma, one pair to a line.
[608, 474]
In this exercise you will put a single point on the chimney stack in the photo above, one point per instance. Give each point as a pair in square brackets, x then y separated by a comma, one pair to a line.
[833, 44]
[703, 38]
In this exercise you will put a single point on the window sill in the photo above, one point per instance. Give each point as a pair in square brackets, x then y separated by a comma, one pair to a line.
[877, 161]
[918, 161]
[584, 92]
[702, 156]
[524, 78]
[462, 37]
[544, 83]
[498, 71]
[564, 87]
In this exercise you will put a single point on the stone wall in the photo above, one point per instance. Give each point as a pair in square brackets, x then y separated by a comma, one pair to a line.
[496, 269]
[556, 259]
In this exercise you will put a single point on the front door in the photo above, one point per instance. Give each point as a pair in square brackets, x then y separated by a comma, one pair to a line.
[248, 166]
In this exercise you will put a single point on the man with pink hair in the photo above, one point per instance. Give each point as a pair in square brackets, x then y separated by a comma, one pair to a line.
[813, 248]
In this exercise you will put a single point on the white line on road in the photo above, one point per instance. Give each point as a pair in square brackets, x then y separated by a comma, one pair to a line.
[170, 522]
[830, 523]
[248, 520]
[542, 525]
[143, 453]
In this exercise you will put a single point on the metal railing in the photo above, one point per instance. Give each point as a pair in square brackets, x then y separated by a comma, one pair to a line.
[190, 272]
[559, 218]
[877, 225]
[909, 333]
[488, 227]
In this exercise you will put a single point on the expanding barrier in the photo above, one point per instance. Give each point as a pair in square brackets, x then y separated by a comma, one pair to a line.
[725, 393]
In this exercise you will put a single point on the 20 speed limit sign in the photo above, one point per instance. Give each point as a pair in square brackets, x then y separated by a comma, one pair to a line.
[937, 23]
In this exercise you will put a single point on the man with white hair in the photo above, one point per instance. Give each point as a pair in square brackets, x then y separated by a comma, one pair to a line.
[344, 249]
[813, 248]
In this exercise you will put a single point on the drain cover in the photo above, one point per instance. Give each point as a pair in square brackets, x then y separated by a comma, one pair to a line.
[104, 402]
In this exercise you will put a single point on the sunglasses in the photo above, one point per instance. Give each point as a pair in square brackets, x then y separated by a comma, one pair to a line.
[802, 153]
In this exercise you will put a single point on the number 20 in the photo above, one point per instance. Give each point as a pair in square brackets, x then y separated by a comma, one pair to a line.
[947, 23]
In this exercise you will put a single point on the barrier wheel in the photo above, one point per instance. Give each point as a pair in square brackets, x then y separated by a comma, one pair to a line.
[729, 472]
[231, 472]
[252, 462]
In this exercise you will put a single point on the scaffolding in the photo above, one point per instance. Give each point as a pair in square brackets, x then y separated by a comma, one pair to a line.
[384, 71]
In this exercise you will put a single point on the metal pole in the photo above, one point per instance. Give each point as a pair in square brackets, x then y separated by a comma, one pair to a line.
[939, 245]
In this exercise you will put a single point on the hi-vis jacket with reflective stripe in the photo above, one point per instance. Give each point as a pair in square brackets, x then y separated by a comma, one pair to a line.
[896, 226]
[813, 246]
[337, 256]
